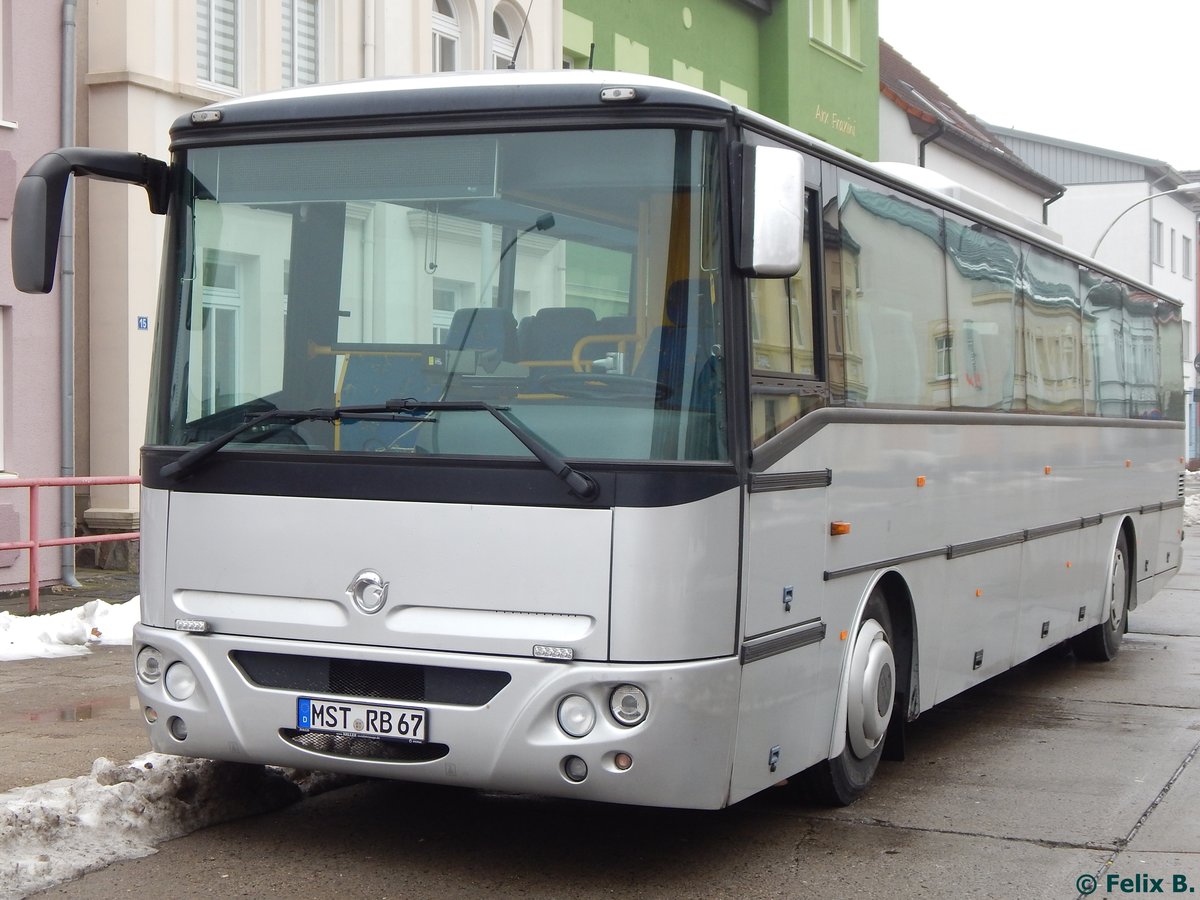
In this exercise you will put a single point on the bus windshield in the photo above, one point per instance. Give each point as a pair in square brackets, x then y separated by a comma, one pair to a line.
[569, 279]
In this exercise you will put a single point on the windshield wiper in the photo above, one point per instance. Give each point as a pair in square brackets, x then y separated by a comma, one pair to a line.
[579, 484]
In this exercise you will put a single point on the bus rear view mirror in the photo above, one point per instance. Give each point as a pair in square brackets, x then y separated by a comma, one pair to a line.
[772, 226]
[38, 206]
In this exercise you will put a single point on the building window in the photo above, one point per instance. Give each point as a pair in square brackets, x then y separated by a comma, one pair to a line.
[301, 41]
[1156, 242]
[835, 23]
[1186, 256]
[446, 36]
[217, 42]
[503, 42]
[1174, 267]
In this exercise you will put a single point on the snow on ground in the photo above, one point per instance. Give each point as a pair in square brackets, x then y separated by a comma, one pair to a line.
[67, 633]
[63, 829]
[1191, 503]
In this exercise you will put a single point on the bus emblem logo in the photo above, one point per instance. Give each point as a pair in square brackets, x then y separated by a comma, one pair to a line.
[368, 590]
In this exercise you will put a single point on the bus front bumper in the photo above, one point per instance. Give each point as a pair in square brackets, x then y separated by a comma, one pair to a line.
[245, 694]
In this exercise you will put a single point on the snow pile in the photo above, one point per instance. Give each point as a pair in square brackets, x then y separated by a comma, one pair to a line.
[63, 829]
[67, 633]
[1191, 503]
[1191, 511]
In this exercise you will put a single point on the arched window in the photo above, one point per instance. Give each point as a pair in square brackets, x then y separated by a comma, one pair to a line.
[446, 36]
[503, 41]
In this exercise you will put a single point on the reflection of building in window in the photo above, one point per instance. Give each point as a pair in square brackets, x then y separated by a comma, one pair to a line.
[943, 356]
[300, 42]
[220, 280]
[447, 297]
[217, 42]
[446, 36]
[1156, 242]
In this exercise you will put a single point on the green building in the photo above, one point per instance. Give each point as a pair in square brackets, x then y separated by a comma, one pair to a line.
[813, 64]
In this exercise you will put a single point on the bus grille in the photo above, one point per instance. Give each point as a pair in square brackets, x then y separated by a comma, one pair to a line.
[371, 679]
[350, 747]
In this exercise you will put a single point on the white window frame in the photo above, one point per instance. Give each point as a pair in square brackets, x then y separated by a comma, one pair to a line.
[1186, 252]
[835, 24]
[943, 356]
[206, 60]
[1156, 241]
[504, 48]
[220, 301]
[447, 31]
[291, 11]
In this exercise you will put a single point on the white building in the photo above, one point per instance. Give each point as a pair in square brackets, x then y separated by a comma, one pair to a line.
[921, 125]
[144, 63]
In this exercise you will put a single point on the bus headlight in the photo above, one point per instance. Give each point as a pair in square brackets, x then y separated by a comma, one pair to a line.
[628, 705]
[149, 665]
[180, 681]
[576, 715]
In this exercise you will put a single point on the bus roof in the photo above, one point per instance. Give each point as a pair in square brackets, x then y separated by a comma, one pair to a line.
[465, 92]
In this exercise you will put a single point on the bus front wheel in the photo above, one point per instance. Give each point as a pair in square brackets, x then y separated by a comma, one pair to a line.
[871, 698]
[1100, 643]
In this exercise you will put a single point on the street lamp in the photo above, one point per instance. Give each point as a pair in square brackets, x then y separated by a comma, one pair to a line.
[1191, 188]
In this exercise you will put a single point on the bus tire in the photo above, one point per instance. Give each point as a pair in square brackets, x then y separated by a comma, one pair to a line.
[1102, 642]
[870, 705]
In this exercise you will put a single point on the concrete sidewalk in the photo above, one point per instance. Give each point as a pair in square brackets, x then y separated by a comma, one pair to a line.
[58, 715]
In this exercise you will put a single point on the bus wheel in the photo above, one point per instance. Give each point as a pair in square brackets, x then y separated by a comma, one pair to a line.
[1101, 643]
[870, 701]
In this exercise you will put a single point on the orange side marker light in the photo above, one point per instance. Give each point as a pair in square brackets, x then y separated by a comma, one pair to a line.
[838, 528]
[920, 481]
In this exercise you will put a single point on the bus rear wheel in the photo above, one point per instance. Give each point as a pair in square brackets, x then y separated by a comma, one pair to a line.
[1102, 642]
[871, 699]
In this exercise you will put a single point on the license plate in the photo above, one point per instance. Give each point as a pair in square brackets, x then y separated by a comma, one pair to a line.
[393, 723]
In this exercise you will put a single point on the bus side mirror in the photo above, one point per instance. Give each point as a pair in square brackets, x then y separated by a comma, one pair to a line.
[772, 223]
[38, 205]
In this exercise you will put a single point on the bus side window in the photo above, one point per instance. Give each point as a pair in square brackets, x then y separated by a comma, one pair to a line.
[784, 349]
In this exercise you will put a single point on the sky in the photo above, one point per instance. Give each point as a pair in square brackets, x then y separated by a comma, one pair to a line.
[1114, 75]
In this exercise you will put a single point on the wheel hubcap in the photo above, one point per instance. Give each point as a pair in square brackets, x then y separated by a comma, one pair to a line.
[872, 689]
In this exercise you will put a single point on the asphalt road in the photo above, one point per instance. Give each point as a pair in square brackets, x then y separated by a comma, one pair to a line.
[1054, 773]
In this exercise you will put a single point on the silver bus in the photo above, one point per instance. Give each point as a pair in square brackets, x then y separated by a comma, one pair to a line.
[587, 435]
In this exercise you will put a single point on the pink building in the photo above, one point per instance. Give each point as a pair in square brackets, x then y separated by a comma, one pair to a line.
[31, 392]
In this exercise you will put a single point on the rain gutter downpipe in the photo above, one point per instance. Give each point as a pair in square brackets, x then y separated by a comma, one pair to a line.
[939, 128]
[1046, 205]
[67, 300]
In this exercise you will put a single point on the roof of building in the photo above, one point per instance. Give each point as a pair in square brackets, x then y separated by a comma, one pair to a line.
[932, 113]
[1071, 162]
